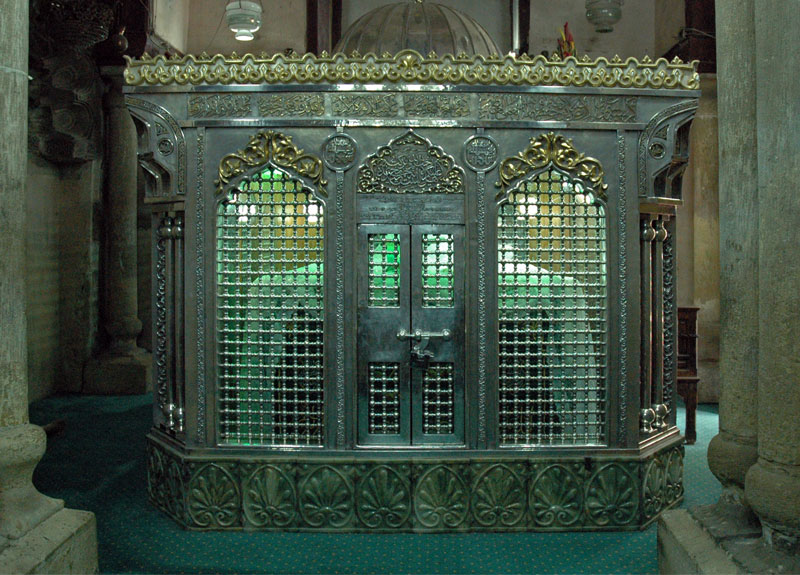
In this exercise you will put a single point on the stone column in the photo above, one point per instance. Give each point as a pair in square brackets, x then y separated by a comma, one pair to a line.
[123, 368]
[32, 532]
[772, 487]
[21, 444]
[733, 451]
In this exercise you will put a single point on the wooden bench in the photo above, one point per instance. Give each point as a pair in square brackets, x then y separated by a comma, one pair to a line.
[687, 367]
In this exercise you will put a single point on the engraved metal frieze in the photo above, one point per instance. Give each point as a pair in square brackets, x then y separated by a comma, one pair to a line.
[364, 105]
[623, 289]
[339, 154]
[219, 106]
[160, 352]
[409, 66]
[200, 291]
[268, 147]
[547, 107]
[291, 105]
[436, 105]
[669, 320]
[481, 155]
[410, 164]
[403, 495]
[552, 149]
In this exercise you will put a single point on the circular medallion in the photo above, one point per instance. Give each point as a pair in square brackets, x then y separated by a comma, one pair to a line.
[165, 146]
[657, 150]
[480, 153]
[339, 152]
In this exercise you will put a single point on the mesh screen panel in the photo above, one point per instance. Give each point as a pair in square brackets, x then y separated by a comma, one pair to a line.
[384, 398]
[437, 270]
[384, 270]
[552, 314]
[438, 400]
[270, 314]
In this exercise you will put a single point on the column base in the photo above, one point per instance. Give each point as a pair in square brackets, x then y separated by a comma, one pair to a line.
[114, 374]
[720, 538]
[64, 543]
[729, 458]
[22, 507]
[773, 491]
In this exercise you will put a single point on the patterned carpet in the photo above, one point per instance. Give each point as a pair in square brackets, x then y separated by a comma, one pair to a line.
[98, 464]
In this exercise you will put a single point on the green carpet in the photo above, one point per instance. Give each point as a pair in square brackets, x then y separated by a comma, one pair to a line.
[98, 464]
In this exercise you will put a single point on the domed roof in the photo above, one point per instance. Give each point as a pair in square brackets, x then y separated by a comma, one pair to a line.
[416, 25]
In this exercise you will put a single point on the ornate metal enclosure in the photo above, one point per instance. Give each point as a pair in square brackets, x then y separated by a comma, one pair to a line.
[413, 293]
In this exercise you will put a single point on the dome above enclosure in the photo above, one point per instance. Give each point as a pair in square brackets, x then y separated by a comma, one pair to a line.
[421, 26]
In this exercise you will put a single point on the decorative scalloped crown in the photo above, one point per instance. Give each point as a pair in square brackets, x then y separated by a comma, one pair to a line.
[270, 147]
[410, 66]
[552, 149]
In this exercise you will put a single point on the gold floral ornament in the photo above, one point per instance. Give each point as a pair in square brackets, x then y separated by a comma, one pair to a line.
[268, 147]
[410, 66]
[551, 149]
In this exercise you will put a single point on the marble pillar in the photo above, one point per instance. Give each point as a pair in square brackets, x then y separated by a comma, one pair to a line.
[26, 516]
[733, 450]
[772, 486]
[123, 367]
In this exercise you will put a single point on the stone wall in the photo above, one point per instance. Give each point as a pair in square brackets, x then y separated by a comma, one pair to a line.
[698, 257]
[62, 271]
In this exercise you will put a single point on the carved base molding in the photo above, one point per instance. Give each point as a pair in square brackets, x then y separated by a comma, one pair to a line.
[401, 493]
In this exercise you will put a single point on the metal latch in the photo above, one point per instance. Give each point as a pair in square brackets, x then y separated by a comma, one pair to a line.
[420, 356]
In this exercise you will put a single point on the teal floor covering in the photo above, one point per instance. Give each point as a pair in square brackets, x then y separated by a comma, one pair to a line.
[98, 464]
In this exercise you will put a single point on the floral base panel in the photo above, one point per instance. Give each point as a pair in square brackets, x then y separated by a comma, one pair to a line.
[404, 494]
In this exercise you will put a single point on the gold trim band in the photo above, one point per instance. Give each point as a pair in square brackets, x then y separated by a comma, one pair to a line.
[411, 67]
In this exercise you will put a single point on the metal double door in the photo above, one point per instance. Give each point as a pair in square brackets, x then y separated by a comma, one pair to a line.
[410, 335]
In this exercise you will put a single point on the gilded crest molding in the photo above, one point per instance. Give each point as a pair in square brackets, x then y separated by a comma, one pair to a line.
[556, 150]
[410, 66]
[269, 147]
[410, 164]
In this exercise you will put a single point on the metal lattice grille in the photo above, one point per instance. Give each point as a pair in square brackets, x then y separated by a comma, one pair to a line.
[384, 398]
[384, 270]
[437, 270]
[270, 314]
[552, 314]
[438, 399]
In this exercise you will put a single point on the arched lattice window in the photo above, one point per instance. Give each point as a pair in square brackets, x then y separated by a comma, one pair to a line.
[551, 282]
[269, 261]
